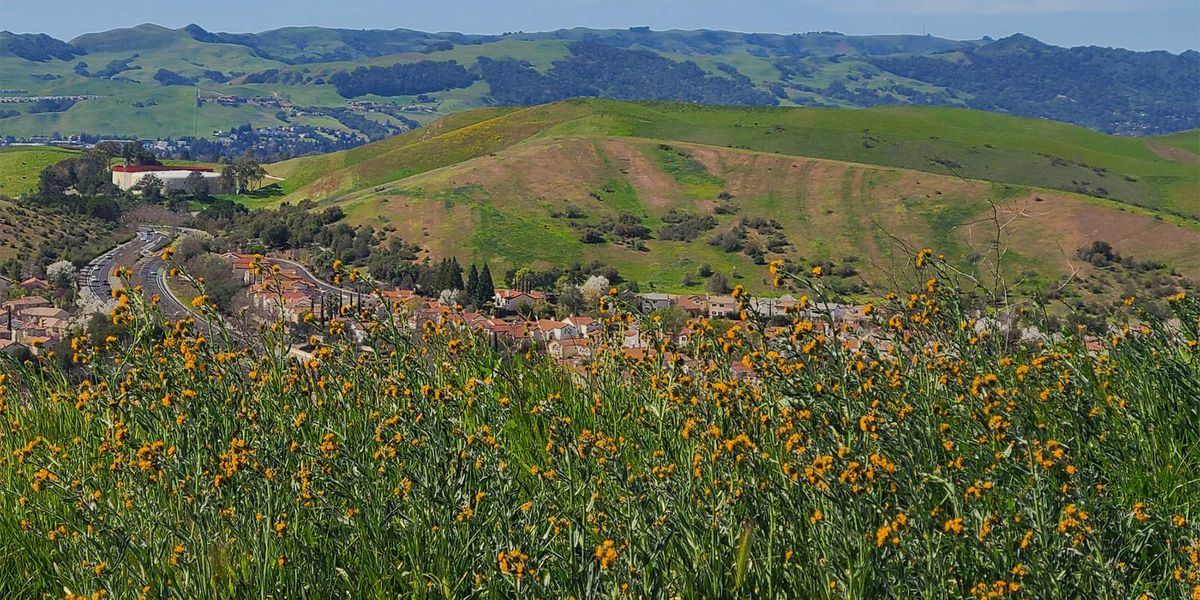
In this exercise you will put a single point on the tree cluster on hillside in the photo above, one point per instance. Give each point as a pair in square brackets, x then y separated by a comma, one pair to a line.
[132, 153]
[196, 256]
[215, 76]
[112, 69]
[480, 287]
[625, 228]
[550, 278]
[598, 70]
[289, 226]
[242, 173]
[402, 79]
[1109, 89]
[393, 263]
[80, 184]
[51, 105]
[685, 227]
[167, 77]
[373, 130]
[755, 237]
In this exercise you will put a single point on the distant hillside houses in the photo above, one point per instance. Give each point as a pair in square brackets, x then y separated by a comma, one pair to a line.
[34, 99]
[699, 305]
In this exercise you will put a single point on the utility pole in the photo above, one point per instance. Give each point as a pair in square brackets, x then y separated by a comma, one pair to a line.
[196, 113]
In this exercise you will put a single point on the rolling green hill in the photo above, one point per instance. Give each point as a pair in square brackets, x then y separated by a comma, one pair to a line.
[524, 186]
[952, 142]
[20, 167]
[1107, 89]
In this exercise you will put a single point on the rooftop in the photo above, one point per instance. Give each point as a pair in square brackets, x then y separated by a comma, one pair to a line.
[158, 168]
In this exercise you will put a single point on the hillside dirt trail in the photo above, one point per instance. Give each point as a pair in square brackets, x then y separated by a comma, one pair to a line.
[1173, 153]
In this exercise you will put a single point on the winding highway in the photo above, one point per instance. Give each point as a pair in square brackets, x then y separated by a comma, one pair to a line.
[142, 255]
[149, 271]
[97, 276]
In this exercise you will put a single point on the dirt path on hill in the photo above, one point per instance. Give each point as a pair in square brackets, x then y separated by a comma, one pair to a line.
[1173, 153]
[655, 187]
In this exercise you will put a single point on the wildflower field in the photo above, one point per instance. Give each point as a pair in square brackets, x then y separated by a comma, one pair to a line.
[944, 460]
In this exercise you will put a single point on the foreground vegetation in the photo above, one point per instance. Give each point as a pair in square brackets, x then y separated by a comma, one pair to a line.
[960, 462]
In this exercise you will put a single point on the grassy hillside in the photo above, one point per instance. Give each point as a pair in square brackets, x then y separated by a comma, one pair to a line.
[954, 142]
[24, 229]
[496, 186]
[20, 167]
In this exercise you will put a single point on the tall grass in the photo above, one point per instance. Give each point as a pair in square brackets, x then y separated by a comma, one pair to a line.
[956, 461]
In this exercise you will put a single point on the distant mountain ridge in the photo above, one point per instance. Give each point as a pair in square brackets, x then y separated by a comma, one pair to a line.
[138, 79]
[297, 45]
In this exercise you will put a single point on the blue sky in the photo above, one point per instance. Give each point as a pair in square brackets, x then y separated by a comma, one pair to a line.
[1136, 24]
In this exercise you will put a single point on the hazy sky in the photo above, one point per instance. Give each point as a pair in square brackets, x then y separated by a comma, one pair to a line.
[1137, 24]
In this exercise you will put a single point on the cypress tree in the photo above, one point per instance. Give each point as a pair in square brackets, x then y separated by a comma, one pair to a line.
[487, 289]
[455, 275]
[472, 289]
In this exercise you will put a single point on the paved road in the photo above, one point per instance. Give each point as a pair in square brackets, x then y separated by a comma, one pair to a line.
[151, 274]
[96, 276]
[149, 271]
[311, 278]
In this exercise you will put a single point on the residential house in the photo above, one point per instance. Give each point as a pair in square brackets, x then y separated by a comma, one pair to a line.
[18, 305]
[694, 305]
[508, 299]
[586, 326]
[544, 330]
[34, 284]
[771, 307]
[656, 301]
[401, 297]
[13, 349]
[501, 332]
[243, 266]
[44, 312]
[722, 306]
[634, 338]
[569, 349]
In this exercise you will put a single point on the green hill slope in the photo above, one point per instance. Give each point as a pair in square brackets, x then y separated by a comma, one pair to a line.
[20, 167]
[524, 187]
[960, 143]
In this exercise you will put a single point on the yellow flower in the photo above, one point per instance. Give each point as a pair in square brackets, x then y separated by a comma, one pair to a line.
[954, 526]
[606, 553]
[1140, 512]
